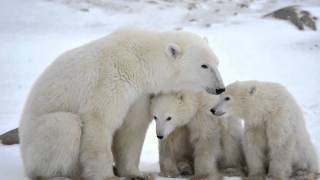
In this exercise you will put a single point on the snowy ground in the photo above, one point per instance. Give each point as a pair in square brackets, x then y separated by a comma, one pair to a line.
[34, 32]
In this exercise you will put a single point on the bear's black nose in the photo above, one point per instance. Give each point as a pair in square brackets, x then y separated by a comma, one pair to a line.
[212, 111]
[160, 137]
[220, 90]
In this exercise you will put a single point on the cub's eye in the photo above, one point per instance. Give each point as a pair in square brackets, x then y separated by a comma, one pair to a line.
[204, 66]
[155, 117]
[227, 98]
[169, 118]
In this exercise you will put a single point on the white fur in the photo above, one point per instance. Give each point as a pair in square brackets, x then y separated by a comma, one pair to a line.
[275, 135]
[128, 139]
[88, 91]
[214, 143]
[175, 154]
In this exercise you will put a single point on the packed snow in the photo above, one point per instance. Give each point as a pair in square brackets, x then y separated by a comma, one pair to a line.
[34, 32]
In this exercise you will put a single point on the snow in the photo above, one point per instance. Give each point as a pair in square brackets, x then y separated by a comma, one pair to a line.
[34, 32]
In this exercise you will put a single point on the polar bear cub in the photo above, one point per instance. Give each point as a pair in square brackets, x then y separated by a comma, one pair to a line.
[81, 100]
[214, 143]
[275, 138]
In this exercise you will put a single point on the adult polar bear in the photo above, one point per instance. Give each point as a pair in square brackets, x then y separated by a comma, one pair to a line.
[78, 103]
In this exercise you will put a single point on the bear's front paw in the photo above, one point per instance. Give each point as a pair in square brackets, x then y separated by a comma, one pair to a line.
[114, 178]
[208, 177]
[185, 168]
[275, 177]
[255, 177]
[172, 173]
[144, 176]
[233, 172]
[53, 178]
[200, 177]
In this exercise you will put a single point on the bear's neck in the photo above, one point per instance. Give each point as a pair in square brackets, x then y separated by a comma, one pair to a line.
[161, 84]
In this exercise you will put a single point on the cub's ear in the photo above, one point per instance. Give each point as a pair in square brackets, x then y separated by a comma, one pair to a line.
[173, 51]
[253, 90]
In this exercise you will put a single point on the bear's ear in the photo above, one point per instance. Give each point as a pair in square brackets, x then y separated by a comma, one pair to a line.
[253, 90]
[173, 50]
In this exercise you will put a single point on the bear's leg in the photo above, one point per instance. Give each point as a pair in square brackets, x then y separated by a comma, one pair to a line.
[281, 147]
[167, 157]
[50, 145]
[95, 150]
[128, 140]
[205, 160]
[102, 115]
[254, 145]
[168, 168]
[232, 162]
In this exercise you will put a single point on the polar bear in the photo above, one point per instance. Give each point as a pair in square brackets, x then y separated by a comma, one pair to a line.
[83, 97]
[275, 137]
[215, 144]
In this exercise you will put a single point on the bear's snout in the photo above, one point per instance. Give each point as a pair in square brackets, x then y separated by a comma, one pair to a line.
[220, 90]
[159, 137]
[216, 113]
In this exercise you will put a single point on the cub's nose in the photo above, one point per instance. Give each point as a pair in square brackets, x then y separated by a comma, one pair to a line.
[159, 137]
[220, 90]
[213, 111]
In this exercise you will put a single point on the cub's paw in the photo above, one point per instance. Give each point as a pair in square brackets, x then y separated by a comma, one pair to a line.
[52, 178]
[255, 177]
[207, 177]
[144, 176]
[272, 177]
[114, 178]
[300, 173]
[200, 177]
[185, 168]
[232, 172]
[172, 173]
[304, 175]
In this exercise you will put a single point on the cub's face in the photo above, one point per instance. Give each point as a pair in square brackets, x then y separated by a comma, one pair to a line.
[196, 67]
[234, 101]
[165, 109]
[226, 106]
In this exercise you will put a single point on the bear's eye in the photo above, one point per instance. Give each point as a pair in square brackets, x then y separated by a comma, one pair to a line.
[227, 98]
[155, 117]
[204, 66]
[169, 118]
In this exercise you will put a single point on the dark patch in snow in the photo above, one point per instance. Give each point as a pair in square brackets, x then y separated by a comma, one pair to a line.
[10, 137]
[297, 17]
